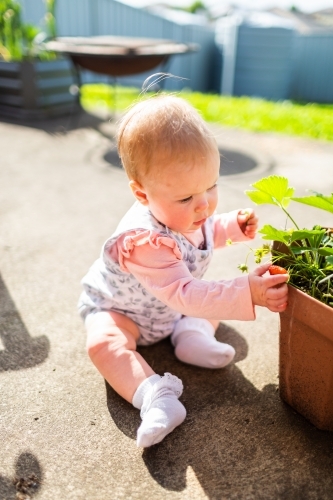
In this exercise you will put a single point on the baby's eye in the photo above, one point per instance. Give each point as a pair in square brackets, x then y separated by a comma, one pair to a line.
[215, 185]
[185, 200]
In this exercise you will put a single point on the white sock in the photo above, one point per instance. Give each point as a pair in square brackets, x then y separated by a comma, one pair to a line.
[195, 344]
[161, 412]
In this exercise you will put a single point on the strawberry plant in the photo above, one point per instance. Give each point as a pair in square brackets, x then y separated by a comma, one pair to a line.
[307, 254]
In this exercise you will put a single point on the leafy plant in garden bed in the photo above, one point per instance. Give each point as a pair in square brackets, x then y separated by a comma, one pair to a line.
[34, 82]
[307, 254]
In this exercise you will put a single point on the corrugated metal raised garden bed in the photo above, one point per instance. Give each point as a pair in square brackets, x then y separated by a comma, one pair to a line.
[37, 89]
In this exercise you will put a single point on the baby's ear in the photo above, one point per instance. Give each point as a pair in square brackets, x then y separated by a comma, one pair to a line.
[138, 192]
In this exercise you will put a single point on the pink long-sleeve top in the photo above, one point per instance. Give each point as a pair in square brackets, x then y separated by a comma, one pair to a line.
[157, 264]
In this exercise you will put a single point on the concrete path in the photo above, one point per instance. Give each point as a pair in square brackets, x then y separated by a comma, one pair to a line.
[64, 434]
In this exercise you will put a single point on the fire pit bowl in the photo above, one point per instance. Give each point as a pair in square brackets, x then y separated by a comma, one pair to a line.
[116, 55]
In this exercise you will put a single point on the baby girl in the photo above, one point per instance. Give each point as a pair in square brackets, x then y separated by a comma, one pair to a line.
[147, 283]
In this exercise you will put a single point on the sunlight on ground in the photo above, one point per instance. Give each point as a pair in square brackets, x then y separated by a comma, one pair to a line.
[193, 486]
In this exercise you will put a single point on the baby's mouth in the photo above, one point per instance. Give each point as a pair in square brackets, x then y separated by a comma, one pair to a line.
[199, 222]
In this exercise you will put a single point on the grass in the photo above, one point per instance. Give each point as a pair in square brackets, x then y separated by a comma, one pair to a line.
[285, 117]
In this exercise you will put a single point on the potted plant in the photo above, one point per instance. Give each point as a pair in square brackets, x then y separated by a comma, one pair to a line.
[306, 326]
[34, 83]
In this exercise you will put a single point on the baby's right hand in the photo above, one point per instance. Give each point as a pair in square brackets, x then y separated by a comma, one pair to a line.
[265, 290]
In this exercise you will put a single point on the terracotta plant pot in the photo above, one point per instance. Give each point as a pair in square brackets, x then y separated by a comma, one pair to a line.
[306, 358]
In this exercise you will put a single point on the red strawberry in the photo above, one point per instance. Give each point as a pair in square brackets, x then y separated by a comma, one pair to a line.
[277, 270]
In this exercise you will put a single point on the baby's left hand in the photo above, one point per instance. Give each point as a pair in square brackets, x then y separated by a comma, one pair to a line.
[248, 222]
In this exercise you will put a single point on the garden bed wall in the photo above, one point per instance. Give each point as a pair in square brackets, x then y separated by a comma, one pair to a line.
[36, 90]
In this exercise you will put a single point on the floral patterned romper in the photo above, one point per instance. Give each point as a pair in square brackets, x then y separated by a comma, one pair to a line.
[108, 287]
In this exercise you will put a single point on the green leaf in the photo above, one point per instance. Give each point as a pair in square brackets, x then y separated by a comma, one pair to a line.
[260, 198]
[318, 201]
[310, 234]
[320, 251]
[325, 251]
[300, 250]
[329, 260]
[274, 190]
[271, 233]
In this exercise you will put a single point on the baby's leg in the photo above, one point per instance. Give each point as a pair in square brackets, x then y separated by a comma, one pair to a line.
[195, 343]
[111, 345]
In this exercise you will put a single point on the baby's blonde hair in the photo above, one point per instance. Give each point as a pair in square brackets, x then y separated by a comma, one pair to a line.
[161, 129]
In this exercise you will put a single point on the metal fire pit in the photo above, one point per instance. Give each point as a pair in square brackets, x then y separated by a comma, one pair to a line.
[116, 55]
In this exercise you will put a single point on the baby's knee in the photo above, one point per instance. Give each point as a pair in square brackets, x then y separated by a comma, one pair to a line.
[110, 333]
[95, 343]
[110, 343]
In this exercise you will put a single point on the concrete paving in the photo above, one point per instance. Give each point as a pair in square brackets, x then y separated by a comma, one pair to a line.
[64, 433]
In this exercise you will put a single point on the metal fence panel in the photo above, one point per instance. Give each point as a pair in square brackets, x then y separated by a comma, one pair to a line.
[263, 62]
[313, 68]
[74, 18]
[33, 11]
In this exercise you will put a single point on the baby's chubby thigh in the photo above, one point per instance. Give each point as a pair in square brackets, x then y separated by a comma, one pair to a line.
[111, 345]
[112, 328]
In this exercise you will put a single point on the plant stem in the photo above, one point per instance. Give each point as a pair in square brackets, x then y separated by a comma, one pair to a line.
[325, 279]
[289, 216]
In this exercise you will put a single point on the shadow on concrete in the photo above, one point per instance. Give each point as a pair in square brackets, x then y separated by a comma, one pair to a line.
[27, 479]
[234, 435]
[231, 163]
[112, 157]
[60, 125]
[161, 358]
[20, 350]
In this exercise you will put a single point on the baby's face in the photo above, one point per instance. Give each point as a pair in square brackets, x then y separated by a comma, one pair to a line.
[184, 194]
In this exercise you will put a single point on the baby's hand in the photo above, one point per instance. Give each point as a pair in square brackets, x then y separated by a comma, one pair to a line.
[267, 290]
[248, 222]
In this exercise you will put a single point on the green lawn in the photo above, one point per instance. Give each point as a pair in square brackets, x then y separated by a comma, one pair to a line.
[308, 120]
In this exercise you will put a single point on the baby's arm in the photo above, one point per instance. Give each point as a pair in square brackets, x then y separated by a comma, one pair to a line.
[238, 225]
[167, 278]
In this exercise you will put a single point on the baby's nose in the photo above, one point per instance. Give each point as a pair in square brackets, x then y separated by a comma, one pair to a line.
[202, 205]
